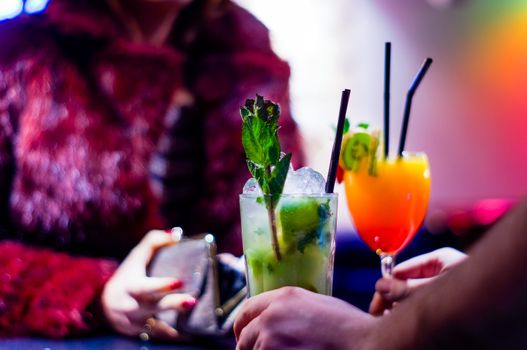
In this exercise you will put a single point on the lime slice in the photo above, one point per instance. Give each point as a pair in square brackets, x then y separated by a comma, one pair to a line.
[358, 147]
[299, 220]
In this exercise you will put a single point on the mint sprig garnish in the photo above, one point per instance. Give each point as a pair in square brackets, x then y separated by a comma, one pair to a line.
[346, 126]
[262, 149]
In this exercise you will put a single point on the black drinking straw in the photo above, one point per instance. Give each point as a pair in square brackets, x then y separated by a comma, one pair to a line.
[408, 106]
[332, 173]
[387, 71]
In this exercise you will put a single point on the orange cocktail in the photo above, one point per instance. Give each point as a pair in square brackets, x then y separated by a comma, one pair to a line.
[388, 208]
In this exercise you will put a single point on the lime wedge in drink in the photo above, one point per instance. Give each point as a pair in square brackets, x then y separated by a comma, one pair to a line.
[306, 270]
[300, 221]
[360, 146]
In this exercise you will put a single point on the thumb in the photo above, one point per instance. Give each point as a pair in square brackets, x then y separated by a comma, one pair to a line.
[392, 289]
[149, 245]
[378, 304]
[387, 291]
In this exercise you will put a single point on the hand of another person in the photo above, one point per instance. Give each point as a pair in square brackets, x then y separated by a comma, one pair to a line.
[294, 318]
[410, 275]
[130, 299]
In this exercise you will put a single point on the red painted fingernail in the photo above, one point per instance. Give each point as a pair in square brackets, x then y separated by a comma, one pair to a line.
[175, 285]
[189, 304]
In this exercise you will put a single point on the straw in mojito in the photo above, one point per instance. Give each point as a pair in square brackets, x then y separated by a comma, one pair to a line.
[334, 161]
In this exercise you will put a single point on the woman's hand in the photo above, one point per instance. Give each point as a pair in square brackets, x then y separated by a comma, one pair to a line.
[130, 299]
[294, 318]
[410, 275]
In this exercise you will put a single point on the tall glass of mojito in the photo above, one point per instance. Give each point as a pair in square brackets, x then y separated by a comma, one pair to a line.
[288, 221]
[306, 236]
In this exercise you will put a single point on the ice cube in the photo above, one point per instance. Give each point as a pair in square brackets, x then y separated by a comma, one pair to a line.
[313, 181]
[304, 181]
[252, 187]
[292, 183]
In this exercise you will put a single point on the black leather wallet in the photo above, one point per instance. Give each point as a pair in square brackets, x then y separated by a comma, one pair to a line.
[219, 287]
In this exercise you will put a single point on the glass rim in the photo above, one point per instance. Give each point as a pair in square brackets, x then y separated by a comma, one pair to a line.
[406, 155]
[293, 195]
[414, 153]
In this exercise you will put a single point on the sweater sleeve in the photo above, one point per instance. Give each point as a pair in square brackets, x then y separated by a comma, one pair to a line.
[42, 292]
[49, 294]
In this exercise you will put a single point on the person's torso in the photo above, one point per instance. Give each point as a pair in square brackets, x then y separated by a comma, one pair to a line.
[89, 127]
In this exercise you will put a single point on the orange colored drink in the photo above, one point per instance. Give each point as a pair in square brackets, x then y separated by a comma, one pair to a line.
[389, 208]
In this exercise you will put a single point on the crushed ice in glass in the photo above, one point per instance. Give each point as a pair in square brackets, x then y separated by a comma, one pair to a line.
[304, 181]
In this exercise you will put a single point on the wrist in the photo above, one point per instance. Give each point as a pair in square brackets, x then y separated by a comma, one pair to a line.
[372, 338]
[393, 332]
[360, 334]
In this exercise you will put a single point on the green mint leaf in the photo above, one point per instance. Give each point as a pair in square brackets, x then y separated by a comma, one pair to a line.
[262, 147]
[324, 211]
[277, 179]
[251, 138]
[268, 139]
[363, 125]
[245, 112]
[309, 238]
[346, 126]
[259, 174]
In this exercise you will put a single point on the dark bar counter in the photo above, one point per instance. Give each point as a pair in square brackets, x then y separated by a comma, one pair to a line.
[110, 342]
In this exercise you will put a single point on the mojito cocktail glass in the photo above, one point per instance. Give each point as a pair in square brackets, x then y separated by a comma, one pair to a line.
[305, 226]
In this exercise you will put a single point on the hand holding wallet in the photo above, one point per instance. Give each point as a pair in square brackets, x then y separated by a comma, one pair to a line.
[219, 286]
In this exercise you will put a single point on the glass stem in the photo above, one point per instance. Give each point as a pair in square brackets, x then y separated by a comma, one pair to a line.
[387, 264]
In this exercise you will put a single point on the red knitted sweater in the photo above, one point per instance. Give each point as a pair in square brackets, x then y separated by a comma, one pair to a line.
[102, 139]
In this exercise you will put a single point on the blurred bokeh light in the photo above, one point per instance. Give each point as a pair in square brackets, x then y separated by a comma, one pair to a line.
[12, 8]
[33, 6]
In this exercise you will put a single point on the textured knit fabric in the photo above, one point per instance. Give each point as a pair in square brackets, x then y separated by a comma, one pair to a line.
[102, 139]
